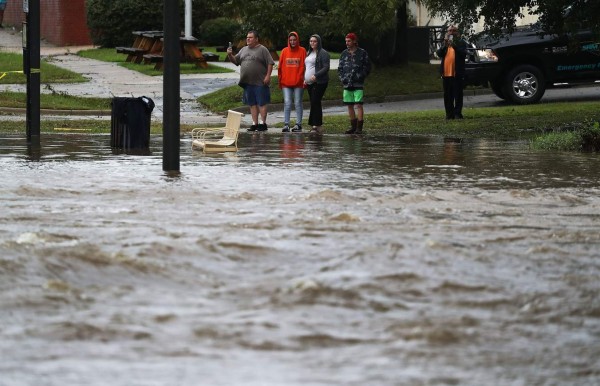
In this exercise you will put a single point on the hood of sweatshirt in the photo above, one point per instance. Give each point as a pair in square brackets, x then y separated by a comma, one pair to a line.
[319, 46]
[297, 41]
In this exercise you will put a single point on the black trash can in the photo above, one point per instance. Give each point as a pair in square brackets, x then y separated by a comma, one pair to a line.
[130, 123]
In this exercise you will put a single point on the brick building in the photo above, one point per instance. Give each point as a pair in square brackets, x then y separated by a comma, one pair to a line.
[62, 22]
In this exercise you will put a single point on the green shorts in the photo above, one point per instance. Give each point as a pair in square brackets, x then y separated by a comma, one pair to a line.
[353, 97]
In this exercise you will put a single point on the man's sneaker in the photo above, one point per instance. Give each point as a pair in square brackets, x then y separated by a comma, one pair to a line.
[252, 128]
[297, 128]
[261, 127]
[286, 129]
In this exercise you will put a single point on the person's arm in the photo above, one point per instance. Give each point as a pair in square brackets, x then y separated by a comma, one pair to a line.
[280, 66]
[232, 57]
[341, 66]
[267, 80]
[366, 65]
[441, 52]
[326, 63]
[303, 64]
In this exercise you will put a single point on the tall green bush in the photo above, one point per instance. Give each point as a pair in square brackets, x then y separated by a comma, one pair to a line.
[219, 31]
[111, 22]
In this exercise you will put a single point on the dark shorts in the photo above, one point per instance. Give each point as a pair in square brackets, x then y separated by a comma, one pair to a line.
[256, 95]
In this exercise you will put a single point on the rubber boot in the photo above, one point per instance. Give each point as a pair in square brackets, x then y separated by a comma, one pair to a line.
[353, 123]
[359, 127]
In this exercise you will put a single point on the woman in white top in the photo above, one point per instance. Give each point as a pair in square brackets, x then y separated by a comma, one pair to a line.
[316, 78]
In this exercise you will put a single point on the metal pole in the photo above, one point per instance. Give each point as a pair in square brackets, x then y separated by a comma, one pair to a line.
[188, 18]
[32, 70]
[172, 53]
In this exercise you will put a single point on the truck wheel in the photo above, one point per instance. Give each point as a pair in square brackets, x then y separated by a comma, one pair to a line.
[524, 84]
[497, 89]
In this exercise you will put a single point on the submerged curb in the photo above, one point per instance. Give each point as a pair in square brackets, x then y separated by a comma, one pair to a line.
[21, 110]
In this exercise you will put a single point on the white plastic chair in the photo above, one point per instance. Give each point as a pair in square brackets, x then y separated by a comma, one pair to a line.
[218, 139]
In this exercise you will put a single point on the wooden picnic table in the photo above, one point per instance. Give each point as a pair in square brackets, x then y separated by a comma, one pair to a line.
[190, 53]
[147, 47]
[144, 42]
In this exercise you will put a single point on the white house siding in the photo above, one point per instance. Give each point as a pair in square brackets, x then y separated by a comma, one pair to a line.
[423, 18]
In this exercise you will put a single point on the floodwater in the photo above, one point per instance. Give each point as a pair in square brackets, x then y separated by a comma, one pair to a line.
[299, 261]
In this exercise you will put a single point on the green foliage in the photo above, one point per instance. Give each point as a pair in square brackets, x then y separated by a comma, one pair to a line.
[111, 22]
[500, 16]
[369, 19]
[561, 141]
[590, 136]
[273, 19]
[219, 31]
[584, 136]
[372, 20]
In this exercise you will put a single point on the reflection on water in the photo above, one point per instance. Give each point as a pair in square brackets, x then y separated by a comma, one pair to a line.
[300, 260]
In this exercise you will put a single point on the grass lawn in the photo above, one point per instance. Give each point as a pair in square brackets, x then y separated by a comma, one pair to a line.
[49, 73]
[507, 122]
[56, 101]
[75, 126]
[413, 78]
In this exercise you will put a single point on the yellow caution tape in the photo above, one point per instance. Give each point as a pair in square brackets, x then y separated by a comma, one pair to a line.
[32, 71]
[4, 73]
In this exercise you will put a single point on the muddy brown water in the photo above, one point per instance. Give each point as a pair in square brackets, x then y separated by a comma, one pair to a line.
[299, 261]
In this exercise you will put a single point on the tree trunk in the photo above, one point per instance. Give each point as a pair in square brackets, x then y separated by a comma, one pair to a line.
[401, 44]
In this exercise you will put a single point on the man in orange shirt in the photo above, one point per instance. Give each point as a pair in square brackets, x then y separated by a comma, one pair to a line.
[453, 54]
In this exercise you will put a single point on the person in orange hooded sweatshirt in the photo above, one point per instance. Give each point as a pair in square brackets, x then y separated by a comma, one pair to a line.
[291, 80]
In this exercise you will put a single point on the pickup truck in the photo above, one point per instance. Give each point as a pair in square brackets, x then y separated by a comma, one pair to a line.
[520, 67]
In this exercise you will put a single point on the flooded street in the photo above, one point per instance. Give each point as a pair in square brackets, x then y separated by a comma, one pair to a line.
[299, 260]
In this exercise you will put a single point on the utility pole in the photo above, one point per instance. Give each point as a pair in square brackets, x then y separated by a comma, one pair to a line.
[188, 18]
[171, 86]
[31, 68]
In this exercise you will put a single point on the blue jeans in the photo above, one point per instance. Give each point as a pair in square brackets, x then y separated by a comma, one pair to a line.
[288, 94]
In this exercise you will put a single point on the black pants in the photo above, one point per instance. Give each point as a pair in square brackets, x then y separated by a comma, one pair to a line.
[453, 96]
[315, 95]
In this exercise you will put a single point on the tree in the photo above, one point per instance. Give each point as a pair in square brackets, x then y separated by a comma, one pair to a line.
[500, 16]
[380, 24]
[273, 19]
[112, 21]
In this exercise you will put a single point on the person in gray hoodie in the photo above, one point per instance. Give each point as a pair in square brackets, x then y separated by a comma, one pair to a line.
[316, 79]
